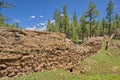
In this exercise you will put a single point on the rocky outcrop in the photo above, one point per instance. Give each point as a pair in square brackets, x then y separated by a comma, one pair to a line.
[24, 51]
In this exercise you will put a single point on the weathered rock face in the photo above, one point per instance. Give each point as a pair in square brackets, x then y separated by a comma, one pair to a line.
[22, 51]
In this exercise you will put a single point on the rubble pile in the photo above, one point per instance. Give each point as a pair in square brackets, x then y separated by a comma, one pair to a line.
[25, 51]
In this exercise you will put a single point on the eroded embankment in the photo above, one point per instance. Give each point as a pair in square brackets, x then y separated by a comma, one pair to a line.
[22, 51]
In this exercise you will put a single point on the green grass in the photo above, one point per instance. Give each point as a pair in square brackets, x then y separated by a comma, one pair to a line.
[105, 65]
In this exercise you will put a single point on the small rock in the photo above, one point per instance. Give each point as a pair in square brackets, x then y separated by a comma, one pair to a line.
[82, 71]
[11, 74]
[3, 71]
[18, 67]
[109, 54]
[36, 69]
[17, 37]
[10, 69]
[2, 66]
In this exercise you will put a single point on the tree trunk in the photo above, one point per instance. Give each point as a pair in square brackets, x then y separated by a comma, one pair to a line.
[109, 28]
[82, 37]
[109, 42]
[103, 30]
[90, 28]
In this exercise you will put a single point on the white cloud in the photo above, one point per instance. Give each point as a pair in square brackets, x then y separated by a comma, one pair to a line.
[31, 28]
[42, 24]
[28, 19]
[43, 28]
[39, 27]
[36, 28]
[32, 17]
[18, 21]
[61, 14]
[52, 21]
[41, 16]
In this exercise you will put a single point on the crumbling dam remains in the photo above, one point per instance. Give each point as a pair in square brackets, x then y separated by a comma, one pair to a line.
[24, 51]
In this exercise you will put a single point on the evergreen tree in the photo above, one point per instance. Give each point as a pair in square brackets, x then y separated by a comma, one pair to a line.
[117, 20]
[83, 26]
[91, 14]
[57, 18]
[98, 29]
[75, 28]
[17, 25]
[75, 24]
[3, 4]
[66, 23]
[49, 27]
[54, 27]
[75, 21]
[110, 12]
[103, 26]
[3, 18]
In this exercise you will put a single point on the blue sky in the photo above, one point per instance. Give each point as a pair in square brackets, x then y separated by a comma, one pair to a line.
[36, 12]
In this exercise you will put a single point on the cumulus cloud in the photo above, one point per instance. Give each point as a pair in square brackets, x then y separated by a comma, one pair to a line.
[52, 21]
[36, 28]
[39, 26]
[61, 14]
[41, 16]
[42, 24]
[31, 28]
[32, 17]
[43, 28]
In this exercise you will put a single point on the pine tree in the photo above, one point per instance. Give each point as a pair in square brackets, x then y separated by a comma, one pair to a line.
[3, 18]
[17, 25]
[66, 23]
[4, 4]
[98, 29]
[49, 27]
[110, 13]
[75, 28]
[75, 21]
[103, 26]
[117, 17]
[91, 14]
[57, 18]
[83, 26]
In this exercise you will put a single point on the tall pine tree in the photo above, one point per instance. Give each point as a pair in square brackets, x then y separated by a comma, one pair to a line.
[83, 26]
[75, 28]
[117, 20]
[66, 22]
[110, 14]
[91, 14]
[57, 18]
[103, 26]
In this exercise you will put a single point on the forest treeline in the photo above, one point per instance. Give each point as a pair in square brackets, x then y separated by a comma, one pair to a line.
[88, 25]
